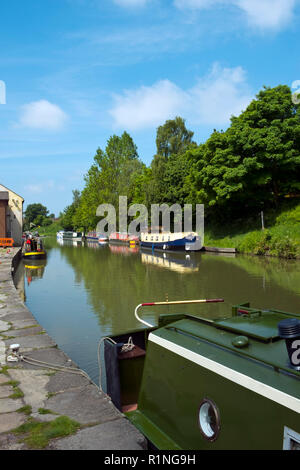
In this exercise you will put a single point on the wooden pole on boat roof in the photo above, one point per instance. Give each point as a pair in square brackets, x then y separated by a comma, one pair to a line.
[174, 302]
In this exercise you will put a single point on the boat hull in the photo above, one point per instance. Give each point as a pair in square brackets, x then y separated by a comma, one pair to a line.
[123, 239]
[123, 242]
[195, 384]
[35, 255]
[75, 236]
[182, 244]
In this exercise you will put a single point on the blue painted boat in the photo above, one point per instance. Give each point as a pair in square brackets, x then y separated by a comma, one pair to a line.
[181, 241]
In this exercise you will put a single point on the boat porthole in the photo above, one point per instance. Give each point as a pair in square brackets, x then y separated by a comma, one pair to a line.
[209, 420]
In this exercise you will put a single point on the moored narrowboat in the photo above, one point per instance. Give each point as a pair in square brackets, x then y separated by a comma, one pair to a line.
[74, 236]
[33, 248]
[92, 236]
[179, 241]
[102, 239]
[123, 238]
[192, 383]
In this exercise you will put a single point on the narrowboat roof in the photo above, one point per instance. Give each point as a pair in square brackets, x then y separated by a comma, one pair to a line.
[245, 349]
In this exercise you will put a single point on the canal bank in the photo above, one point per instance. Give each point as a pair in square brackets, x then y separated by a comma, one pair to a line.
[42, 401]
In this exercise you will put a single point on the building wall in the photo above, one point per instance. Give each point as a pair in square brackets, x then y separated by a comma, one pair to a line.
[3, 205]
[14, 216]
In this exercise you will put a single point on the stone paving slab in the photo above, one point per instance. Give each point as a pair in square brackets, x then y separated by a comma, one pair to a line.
[9, 441]
[18, 315]
[20, 324]
[9, 421]
[10, 404]
[6, 391]
[4, 326]
[48, 356]
[2, 353]
[113, 435]
[15, 333]
[33, 384]
[4, 379]
[27, 343]
[61, 381]
[94, 406]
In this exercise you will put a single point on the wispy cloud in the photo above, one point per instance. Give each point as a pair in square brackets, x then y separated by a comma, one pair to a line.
[212, 101]
[136, 42]
[265, 14]
[43, 115]
[131, 3]
[270, 14]
[38, 188]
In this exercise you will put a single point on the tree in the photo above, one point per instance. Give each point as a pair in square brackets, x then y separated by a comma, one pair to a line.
[67, 217]
[255, 162]
[111, 175]
[35, 214]
[173, 138]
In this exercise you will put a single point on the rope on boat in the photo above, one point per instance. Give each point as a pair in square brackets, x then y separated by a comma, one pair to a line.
[126, 347]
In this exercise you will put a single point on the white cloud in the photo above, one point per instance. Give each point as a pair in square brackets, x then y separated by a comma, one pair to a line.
[212, 101]
[223, 93]
[265, 14]
[43, 115]
[271, 14]
[131, 3]
[147, 106]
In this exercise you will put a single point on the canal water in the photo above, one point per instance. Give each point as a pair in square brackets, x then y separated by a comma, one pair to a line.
[84, 292]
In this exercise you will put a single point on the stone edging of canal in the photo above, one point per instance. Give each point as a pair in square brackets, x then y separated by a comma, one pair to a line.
[37, 396]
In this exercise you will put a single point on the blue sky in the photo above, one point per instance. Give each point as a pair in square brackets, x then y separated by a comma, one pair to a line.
[78, 71]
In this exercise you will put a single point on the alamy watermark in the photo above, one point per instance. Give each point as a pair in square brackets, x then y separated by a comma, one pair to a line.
[164, 219]
[2, 92]
[296, 94]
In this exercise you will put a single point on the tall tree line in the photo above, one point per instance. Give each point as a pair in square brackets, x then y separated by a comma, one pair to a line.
[254, 164]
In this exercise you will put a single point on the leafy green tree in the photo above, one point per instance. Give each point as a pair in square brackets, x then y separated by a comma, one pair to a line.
[173, 138]
[111, 175]
[34, 215]
[67, 217]
[255, 162]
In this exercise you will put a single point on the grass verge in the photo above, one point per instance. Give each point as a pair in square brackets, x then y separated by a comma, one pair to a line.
[37, 434]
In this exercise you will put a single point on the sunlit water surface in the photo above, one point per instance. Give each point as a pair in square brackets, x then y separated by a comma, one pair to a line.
[81, 293]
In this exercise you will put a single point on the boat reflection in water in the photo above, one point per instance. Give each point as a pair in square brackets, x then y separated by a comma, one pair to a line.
[94, 244]
[68, 242]
[34, 269]
[123, 249]
[178, 262]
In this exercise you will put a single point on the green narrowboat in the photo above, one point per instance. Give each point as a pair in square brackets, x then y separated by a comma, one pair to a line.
[191, 383]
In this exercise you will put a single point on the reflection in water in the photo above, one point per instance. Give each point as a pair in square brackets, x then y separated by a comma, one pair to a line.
[34, 269]
[68, 242]
[123, 249]
[179, 262]
[86, 292]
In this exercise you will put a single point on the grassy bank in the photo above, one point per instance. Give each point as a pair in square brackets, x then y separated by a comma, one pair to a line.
[281, 236]
[50, 229]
